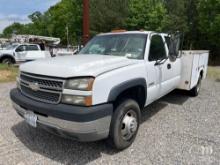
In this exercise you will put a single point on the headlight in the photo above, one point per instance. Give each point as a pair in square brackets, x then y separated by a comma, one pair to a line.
[80, 84]
[77, 100]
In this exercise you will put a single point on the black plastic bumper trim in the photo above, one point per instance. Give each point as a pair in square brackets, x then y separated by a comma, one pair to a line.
[62, 111]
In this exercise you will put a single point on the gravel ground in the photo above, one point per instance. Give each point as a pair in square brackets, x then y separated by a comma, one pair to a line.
[177, 129]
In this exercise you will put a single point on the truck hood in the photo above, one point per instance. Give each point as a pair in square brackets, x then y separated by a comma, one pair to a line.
[6, 51]
[78, 65]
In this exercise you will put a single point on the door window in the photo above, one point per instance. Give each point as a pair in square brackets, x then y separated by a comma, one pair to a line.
[32, 47]
[21, 48]
[157, 48]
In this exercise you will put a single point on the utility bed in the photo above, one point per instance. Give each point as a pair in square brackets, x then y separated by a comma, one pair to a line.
[193, 62]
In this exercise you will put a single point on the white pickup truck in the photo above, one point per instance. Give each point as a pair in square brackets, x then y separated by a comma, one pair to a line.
[17, 53]
[99, 93]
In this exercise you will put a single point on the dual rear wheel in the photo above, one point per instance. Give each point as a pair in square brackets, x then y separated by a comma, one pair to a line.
[195, 91]
[126, 120]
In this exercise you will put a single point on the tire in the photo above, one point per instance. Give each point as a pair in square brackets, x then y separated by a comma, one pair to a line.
[7, 61]
[124, 125]
[195, 91]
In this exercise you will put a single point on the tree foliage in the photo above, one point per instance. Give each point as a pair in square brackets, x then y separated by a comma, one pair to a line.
[146, 14]
[209, 23]
[198, 19]
[106, 15]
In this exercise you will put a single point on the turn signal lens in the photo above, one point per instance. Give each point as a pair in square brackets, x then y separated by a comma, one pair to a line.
[77, 100]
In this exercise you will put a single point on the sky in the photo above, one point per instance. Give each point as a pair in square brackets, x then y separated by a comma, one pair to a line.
[18, 10]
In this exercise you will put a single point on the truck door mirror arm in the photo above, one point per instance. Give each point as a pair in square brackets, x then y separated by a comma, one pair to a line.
[161, 61]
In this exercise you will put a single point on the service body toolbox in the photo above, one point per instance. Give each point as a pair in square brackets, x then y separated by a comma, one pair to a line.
[193, 63]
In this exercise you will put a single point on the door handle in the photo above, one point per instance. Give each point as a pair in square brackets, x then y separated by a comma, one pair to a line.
[168, 66]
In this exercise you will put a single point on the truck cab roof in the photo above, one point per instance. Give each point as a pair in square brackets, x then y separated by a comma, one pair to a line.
[131, 32]
[124, 32]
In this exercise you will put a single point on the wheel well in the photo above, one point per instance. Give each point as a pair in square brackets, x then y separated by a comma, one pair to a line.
[7, 57]
[138, 93]
[201, 73]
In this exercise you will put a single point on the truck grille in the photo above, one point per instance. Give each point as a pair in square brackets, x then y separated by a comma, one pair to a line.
[41, 88]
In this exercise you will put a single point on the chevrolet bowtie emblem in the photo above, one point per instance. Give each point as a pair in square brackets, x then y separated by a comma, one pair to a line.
[34, 86]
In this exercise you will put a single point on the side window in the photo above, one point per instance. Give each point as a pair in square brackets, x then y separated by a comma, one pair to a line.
[32, 48]
[157, 48]
[21, 48]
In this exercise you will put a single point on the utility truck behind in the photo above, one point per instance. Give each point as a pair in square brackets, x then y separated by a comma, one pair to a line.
[99, 93]
[17, 53]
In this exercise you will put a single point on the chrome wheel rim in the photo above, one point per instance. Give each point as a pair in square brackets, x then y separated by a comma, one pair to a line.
[129, 125]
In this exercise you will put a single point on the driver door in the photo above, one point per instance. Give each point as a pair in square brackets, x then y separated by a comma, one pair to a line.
[20, 52]
[164, 72]
[154, 70]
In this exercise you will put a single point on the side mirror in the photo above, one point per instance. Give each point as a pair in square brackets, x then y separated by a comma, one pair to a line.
[174, 45]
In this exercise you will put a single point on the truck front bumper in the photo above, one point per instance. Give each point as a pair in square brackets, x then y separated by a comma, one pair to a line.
[76, 122]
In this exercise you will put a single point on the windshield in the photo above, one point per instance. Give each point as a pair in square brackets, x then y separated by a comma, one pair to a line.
[128, 45]
[11, 47]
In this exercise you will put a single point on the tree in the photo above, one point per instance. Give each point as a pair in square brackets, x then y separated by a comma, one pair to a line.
[176, 18]
[14, 28]
[108, 15]
[198, 19]
[67, 13]
[146, 14]
[209, 26]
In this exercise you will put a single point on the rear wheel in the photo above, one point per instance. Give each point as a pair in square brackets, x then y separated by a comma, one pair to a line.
[195, 91]
[124, 125]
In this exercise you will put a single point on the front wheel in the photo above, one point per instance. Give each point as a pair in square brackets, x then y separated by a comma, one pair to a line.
[195, 91]
[7, 61]
[124, 125]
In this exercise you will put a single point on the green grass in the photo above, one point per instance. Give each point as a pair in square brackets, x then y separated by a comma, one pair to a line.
[214, 73]
[8, 73]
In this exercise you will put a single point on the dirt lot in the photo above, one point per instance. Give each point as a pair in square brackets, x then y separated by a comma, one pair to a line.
[175, 130]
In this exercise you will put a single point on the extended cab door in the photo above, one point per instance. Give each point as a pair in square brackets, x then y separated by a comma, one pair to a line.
[163, 74]
[171, 71]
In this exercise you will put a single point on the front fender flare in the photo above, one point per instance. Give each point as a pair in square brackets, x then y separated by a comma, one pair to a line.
[117, 90]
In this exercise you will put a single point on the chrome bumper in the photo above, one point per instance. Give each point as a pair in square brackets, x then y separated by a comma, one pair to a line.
[81, 131]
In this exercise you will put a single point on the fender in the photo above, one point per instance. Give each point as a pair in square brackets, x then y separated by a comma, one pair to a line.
[6, 55]
[201, 70]
[117, 90]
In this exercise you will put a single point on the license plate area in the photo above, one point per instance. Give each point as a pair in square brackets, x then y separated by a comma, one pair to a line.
[31, 118]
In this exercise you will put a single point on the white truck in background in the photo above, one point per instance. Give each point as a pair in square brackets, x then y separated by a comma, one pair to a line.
[18, 53]
[99, 93]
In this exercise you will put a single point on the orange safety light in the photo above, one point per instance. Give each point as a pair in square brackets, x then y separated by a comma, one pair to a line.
[118, 31]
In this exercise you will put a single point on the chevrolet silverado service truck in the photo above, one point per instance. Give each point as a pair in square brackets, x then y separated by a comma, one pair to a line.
[17, 53]
[99, 93]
